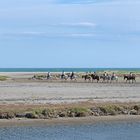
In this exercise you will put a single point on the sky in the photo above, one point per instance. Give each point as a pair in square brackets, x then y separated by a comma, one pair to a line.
[69, 33]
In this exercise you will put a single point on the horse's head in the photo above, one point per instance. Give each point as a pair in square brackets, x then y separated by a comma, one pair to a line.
[125, 77]
[133, 76]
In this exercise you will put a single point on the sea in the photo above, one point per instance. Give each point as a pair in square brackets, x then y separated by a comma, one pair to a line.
[67, 69]
[97, 131]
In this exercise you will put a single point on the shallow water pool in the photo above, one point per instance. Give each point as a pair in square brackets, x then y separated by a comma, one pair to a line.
[98, 131]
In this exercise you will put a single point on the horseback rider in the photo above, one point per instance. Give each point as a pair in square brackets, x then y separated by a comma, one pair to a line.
[113, 74]
[95, 73]
[48, 75]
[105, 74]
[62, 75]
[131, 74]
[72, 75]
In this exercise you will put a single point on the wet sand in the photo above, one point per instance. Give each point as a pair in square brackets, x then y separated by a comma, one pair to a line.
[69, 121]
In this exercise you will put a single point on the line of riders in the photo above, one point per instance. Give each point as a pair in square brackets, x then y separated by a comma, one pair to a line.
[105, 77]
[64, 76]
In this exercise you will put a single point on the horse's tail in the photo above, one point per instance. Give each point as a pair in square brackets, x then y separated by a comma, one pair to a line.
[98, 77]
[124, 77]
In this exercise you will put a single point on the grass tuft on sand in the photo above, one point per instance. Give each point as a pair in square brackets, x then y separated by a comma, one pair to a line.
[3, 78]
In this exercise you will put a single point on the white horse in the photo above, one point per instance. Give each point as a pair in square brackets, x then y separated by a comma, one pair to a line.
[74, 77]
[114, 78]
[64, 76]
[109, 78]
[106, 78]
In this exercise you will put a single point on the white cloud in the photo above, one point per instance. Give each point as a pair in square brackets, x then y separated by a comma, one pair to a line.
[78, 24]
[82, 35]
[45, 34]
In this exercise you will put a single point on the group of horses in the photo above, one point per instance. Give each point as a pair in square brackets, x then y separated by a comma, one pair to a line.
[90, 77]
[109, 78]
[103, 78]
[70, 76]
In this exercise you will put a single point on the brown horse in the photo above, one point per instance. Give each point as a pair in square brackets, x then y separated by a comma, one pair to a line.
[86, 77]
[95, 77]
[130, 77]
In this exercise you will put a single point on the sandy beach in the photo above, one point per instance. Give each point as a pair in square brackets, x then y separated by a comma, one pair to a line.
[21, 92]
[19, 88]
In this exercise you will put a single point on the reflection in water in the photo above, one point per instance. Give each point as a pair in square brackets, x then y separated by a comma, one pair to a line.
[108, 131]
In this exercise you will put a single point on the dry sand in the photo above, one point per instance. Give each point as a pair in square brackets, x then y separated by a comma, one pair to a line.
[20, 89]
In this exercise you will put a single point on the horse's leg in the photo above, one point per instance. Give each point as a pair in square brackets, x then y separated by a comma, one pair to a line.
[66, 77]
[126, 80]
[103, 81]
[108, 80]
[85, 79]
[134, 80]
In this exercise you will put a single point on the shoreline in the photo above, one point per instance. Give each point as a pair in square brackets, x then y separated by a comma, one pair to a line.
[69, 121]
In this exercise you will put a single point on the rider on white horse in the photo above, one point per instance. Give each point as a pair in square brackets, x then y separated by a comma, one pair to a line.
[131, 74]
[105, 74]
[114, 77]
[48, 75]
[72, 75]
[62, 75]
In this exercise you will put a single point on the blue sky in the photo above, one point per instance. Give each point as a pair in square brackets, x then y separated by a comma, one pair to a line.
[70, 33]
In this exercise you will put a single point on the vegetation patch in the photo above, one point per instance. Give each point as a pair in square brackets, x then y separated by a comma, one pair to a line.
[77, 112]
[39, 76]
[3, 78]
[111, 109]
[48, 113]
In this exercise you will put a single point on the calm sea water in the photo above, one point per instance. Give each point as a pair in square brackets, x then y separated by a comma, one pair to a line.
[108, 131]
[65, 69]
